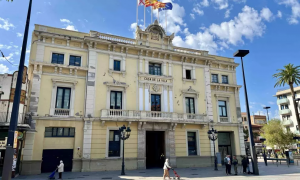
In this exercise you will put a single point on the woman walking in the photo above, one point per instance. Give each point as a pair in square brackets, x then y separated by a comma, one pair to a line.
[166, 169]
[60, 169]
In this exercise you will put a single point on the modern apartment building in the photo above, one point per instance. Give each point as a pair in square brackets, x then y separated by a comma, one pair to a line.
[257, 122]
[8, 84]
[87, 85]
[286, 108]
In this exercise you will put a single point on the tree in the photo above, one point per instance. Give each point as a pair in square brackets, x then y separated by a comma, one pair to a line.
[290, 75]
[276, 135]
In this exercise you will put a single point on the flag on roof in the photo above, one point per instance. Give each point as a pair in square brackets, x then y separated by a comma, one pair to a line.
[168, 6]
[159, 5]
[150, 2]
[141, 2]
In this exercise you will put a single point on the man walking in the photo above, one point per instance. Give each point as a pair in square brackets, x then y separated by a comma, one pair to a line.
[235, 163]
[227, 164]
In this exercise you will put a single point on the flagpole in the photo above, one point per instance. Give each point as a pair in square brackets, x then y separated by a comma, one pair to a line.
[144, 16]
[166, 20]
[137, 12]
[151, 15]
[158, 15]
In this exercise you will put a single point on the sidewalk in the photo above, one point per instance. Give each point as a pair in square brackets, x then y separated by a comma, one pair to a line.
[266, 172]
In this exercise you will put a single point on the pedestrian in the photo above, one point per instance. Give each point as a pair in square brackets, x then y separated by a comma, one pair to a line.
[166, 168]
[248, 165]
[226, 164]
[244, 163]
[235, 163]
[60, 168]
[229, 164]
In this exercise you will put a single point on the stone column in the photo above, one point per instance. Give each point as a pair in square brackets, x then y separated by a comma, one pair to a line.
[241, 139]
[171, 98]
[141, 161]
[170, 69]
[165, 92]
[90, 97]
[209, 108]
[87, 145]
[147, 99]
[146, 66]
[171, 148]
[164, 68]
[141, 97]
[141, 66]
[35, 91]
[123, 64]
[194, 73]
[183, 72]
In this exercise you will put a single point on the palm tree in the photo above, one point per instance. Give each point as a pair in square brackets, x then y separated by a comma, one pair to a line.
[290, 75]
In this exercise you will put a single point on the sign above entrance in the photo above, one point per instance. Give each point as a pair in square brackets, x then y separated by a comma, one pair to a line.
[155, 80]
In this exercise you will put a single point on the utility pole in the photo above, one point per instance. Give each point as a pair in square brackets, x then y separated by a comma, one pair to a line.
[9, 153]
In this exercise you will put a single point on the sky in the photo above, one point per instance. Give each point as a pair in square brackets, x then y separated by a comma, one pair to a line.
[268, 28]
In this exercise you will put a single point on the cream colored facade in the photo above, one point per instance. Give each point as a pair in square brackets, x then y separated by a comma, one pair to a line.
[185, 73]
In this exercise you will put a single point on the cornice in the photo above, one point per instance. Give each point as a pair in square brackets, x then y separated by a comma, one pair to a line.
[32, 62]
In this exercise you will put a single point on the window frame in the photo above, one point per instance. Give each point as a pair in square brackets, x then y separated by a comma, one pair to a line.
[152, 64]
[222, 108]
[223, 82]
[114, 68]
[57, 53]
[160, 103]
[212, 79]
[63, 97]
[189, 108]
[197, 142]
[107, 144]
[116, 92]
[114, 141]
[76, 56]
[63, 129]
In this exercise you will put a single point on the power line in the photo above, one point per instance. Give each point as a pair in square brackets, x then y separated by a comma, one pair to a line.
[7, 59]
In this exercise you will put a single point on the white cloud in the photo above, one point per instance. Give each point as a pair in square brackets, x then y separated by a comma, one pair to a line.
[227, 12]
[17, 53]
[222, 4]
[271, 102]
[3, 69]
[205, 3]
[192, 16]
[5, 46]
[240, 1]
[9, 57]
[295, 6]
[4, 24]
[27, 51]
[19, 35]
[71, 27]
[266, 14]
[279, 14]
[15, 46]
[66, 21]
[262, 113]
[198, 11]
[38, 12]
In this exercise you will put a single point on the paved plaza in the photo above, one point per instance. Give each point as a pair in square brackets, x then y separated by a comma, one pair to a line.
[282, 172]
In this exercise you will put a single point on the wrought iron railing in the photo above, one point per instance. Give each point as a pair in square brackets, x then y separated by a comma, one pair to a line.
[22, 119]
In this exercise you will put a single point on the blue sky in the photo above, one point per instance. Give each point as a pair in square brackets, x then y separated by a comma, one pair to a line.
[268, 28]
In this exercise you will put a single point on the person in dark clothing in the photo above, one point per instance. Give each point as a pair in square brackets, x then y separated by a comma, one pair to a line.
[248, 165]
[227, 164]
[244, 164]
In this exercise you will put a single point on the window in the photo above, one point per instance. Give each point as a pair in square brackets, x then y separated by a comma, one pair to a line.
[190, 105]
[57, 58]
[224, 79]
[59, 132]
[214, 78]
[222, 109]
[155, 102]
[188, 74]
[63, 98]
[115, 100]
[114, 143]
[297, 128]
[155, 69]
[117, 65]
[282, 97]
[75, 61]
[284, 107]
[192, 143]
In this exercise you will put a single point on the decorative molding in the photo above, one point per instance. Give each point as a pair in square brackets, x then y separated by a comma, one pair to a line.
[54, 80]
[116, 84]
[190, 91]
[108, 48]
[141, 85]
[122, 48]
[153, 53]
[147, 85]
[156, 88]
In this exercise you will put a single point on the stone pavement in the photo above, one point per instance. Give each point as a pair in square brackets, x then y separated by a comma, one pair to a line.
[282, 172]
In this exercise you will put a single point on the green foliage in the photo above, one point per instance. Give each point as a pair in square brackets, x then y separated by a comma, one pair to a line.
[289, 75]
[246, 133]
[276, 135]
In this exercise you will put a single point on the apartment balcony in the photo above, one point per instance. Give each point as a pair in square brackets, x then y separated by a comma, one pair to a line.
[288, 122]
[283, 101]
[133, 115]
[61, 112]
[285, 111]
[22, 119]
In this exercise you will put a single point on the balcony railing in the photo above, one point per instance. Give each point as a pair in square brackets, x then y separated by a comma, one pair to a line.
[285, 111]
[288, 122]
[283, 101]
[151, 115]
[61, 112]
[224, 119]
[5, 118]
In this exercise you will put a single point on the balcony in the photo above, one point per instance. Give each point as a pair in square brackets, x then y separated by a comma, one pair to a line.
[288, 122]
[283, 101]
[285, 111]
[22, 119]
[61, 112]
[116, 114]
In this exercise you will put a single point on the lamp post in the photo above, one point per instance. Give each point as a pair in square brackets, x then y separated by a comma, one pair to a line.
[124, 134]
[241, 54]
[267, 107]
[9, 152]
[213, 136]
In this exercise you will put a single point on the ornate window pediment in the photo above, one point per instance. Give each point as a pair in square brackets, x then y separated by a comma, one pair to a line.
[190, 91]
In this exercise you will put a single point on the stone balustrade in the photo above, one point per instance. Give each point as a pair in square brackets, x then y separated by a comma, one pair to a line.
[190, 51]
[61, 112]
[116, 38]
[117, 114]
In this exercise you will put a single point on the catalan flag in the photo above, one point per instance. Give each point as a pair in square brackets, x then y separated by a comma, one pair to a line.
[141, 2]
[159, 5]
[150, 2]
[168, 6]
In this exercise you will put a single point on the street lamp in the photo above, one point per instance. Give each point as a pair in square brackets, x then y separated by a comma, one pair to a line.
[267, 107]
[241, 54]
[124, 134]
[213, 136]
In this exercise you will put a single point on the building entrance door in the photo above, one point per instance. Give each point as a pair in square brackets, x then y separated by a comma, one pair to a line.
[224, 142]
[155, 148]
[52, 157]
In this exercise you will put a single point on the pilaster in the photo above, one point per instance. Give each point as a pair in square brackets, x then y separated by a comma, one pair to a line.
[209, 107]
[90, 94]
[87, 145]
